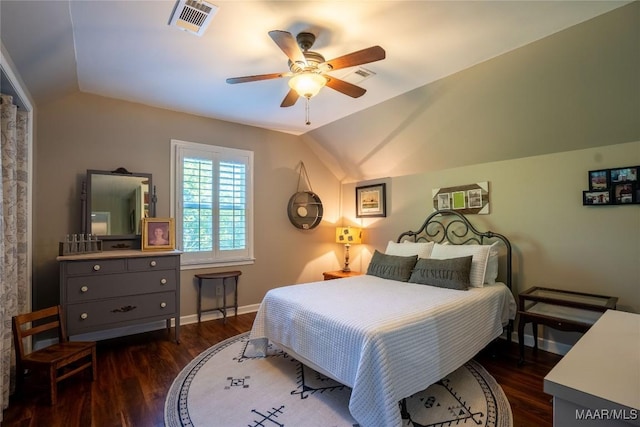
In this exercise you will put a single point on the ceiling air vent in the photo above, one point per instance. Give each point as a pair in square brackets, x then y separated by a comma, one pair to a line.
[358, 75]
[193, 16]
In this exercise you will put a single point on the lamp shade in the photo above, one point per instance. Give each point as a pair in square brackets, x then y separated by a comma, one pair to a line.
[307, 83]
[350, 235]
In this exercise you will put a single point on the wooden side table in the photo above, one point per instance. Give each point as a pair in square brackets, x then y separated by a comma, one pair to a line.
[339, 274]
[558, 309]
[223, 275]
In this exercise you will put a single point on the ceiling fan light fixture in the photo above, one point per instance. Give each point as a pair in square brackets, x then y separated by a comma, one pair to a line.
[307, 84]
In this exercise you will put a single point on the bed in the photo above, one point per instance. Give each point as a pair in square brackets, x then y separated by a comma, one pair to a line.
[386, 337]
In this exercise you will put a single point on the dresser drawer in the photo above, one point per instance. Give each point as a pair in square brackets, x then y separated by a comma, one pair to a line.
[116, 312]
[152, 263]
[86, 288]
[95, 267]
[119, 290]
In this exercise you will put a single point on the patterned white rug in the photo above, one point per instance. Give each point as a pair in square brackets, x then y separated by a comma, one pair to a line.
[223, 387]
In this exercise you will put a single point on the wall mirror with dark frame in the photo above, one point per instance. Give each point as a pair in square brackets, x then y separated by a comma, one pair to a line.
[114, 203]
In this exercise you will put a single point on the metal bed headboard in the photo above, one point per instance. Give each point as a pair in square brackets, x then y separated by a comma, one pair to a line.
[447, 225]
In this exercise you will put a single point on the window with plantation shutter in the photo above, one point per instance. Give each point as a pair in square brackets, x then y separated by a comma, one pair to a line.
[212, 203]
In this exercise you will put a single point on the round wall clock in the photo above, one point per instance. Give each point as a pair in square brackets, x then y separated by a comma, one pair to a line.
[305, 210]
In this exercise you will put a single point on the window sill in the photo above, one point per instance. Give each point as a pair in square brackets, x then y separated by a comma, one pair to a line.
[229, 263]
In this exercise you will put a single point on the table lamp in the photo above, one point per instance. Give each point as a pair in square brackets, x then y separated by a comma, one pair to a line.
[348, 236]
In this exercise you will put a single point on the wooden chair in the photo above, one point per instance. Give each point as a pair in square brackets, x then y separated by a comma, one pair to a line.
[60, 360]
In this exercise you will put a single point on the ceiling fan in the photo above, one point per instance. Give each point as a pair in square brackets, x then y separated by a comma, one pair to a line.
[308, 70]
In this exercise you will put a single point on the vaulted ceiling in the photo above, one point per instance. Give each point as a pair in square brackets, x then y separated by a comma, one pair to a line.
[127, 50]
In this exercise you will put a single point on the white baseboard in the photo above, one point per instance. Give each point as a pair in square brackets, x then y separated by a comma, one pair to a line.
[544, 344]
[213, 315]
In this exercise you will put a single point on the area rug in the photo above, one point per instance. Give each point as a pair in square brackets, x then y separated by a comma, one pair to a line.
[223, 387]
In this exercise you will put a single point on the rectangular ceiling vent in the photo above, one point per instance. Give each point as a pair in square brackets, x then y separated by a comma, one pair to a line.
[358, 75]
[193, 16]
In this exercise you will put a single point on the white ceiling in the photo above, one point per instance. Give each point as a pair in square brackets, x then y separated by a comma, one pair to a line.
[127, 50]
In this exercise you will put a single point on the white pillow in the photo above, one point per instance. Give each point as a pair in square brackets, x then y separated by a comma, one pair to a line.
[422, 249]
[480, 254]
[491, 274]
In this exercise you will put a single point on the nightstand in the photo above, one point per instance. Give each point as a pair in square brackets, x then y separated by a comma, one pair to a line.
[564, 310]
[339, 274]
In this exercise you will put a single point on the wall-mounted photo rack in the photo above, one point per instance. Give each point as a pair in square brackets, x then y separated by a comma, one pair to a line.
[617, 186]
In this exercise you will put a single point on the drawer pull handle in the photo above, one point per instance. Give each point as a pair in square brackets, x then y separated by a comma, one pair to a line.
[96, 267]
[163, 281]
[152, 263]
[124, 309]
[84, 316]
[84, 289]
[163, 304]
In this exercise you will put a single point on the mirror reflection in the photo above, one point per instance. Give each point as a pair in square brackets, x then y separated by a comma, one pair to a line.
[117, 202]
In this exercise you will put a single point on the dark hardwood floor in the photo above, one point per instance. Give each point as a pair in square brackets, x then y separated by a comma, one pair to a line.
[523, 385]
[135, 373]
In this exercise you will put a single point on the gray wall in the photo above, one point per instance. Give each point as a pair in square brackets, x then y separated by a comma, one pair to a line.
[549, 112]
[83, 132]
[531, 122]
[537, 203]
[575, 89]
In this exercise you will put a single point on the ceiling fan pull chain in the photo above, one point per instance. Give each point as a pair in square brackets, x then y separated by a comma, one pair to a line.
[306, 110]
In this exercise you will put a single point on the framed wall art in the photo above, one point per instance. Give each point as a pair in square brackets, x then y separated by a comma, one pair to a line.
[615, 186]
[158, 234]
[444, 201]
[458, 199]
[467, 199]
[599, 180]
[624, 175]
[371, 201]
[596, 197]
[623, 193]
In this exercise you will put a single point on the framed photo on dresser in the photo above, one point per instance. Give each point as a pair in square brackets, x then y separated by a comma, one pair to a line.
[158, 234]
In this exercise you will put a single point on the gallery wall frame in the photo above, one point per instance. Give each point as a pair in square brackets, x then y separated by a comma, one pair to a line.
[467, 199]
[614, 186]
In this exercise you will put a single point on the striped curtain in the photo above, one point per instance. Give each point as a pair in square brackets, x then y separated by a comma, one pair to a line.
[13, 226]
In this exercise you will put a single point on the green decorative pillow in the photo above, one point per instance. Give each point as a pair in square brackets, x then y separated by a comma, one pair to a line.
[391, 266]
[451, 273]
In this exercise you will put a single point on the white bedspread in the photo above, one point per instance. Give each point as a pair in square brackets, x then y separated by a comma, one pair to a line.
[385, 339]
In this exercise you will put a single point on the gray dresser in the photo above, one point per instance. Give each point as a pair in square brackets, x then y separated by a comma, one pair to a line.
[113, 289]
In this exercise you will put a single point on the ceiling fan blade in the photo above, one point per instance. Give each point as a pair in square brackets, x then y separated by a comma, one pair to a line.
[289, 45]
[245, 79]
[290, 99]
[364, 56]
[345, 87]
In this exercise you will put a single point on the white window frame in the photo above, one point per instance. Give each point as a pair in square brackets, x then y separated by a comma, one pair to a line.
[215, 258]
